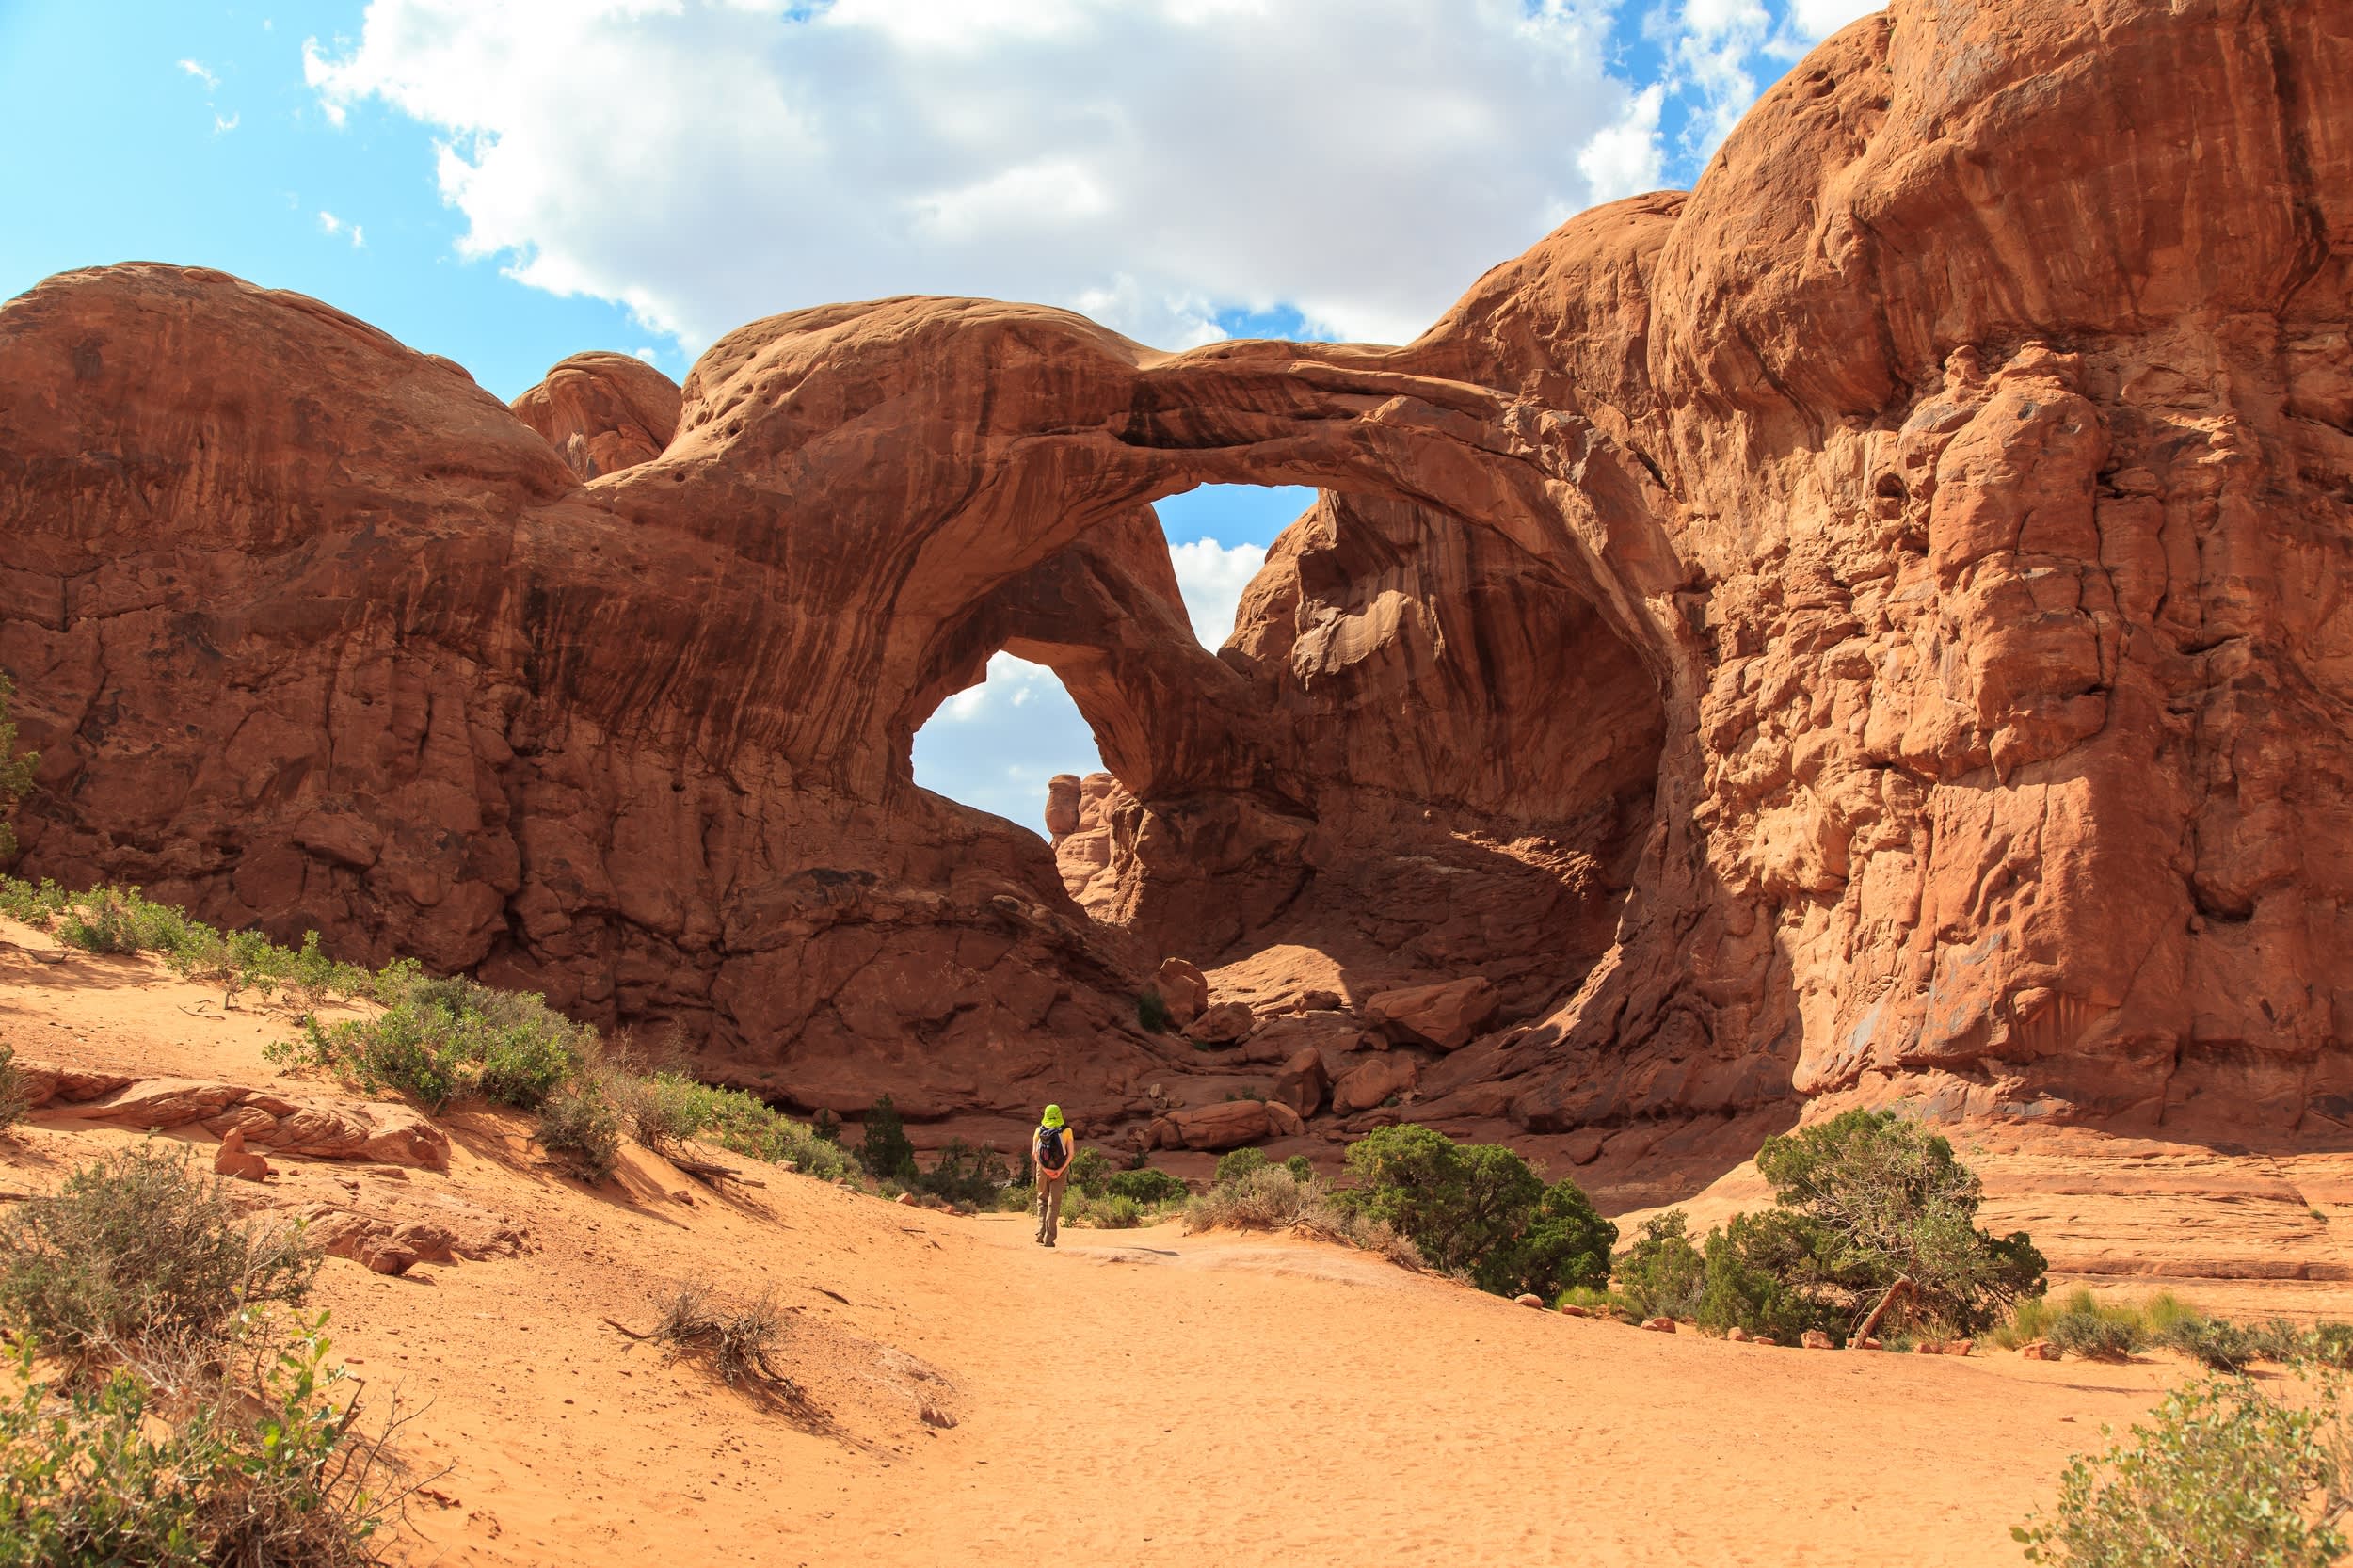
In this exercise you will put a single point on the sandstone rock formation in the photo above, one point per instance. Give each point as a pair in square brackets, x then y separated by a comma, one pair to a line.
[602, 412]
[1873, 627]
[320, 1129]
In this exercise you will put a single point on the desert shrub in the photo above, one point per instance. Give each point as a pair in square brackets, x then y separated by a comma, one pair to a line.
[884, 1149]
[1109, 1213]
[103, 924]
[2277, 1340]
[36, 905]
[1481, 1208]
[739, 1341]
[15, 1100]
[136, 1246]
[1301, 1167]
[666, 1108]
[1264, 1198]
[1758, 1273]
[1269, 1197]
[1152, 1012]
[16, 773]
[964, 1175]
[1896, 1203]
[2221, 1477]
[581, 1125]
[1145, 1186]
[1017, 1198]
[1091, 1172]
[2094, 1333]
[2219, 1346]
[1238, 1163]
[827, 1126]
[1662, 1274]
[2331, 1345]
[313, 978]
[257, 1456]
[440, 1038]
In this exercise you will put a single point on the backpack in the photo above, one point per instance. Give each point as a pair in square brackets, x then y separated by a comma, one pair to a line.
[1050, 1157]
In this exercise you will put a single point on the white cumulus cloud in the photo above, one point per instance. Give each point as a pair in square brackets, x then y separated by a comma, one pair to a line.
[1152, 162]
[333, 226]
[195, 68]
[1721, 52]
[1212, 576]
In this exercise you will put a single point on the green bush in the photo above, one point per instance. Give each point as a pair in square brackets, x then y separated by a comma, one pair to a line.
[666, 1108]
[885, 1150]
[1148, 1187]
[103, 925]
[137, 1245]
[1238, 1163]
[1102, 1213]
[1152, 1012]
[2096, 1333]
[39, 906]
[258, 1458]
[964, 1175]
[1662, 1274]
[15, 1100]
[1301, 1167]
[2221, 1347]
[1091, 1172]
[16, 773]
[1480, 1208]
[580, 1125]
[1759, 1273]
[1895, 1203]
[438, 1039]
[2221, 1477]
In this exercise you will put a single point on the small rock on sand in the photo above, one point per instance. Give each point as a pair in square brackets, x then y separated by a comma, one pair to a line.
[1815, 1339]
[1659, 1325]
[1527, 1299]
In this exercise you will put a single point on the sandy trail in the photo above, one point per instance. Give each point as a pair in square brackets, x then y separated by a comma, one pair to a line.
[1146, 1396]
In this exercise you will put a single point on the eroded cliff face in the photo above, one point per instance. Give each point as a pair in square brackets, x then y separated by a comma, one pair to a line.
[1874, 627]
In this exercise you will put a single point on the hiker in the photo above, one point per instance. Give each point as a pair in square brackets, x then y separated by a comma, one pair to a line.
[1052, 1149]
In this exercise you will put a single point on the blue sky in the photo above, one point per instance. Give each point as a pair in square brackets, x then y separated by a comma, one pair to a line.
[507, 183]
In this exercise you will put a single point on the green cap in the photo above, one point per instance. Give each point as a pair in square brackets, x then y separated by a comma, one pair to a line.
[1053, 1115]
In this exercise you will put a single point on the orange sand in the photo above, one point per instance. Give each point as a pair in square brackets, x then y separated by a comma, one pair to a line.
[1143, 1396]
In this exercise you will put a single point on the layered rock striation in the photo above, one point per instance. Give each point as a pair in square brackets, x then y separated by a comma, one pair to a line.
[1874, 627]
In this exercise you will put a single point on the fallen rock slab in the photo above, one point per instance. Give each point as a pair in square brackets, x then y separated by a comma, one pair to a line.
[316, 1129]
[1446, 1015]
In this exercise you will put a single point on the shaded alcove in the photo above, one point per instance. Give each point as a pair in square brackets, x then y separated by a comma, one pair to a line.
[1422, 751]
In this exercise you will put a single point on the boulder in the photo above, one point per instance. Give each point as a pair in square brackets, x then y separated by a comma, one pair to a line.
[2038, 1350]
[1183, 990]
[1226, 1023]
[1372, 1083]
[1530, 1298]
[1282, 1121]
[231, 1158]
[1303, 1081]
[1446, 1015]
[1317, 1001]
[1570, 1309]
[1736, 1334]
[1216, 1128]
[1659, 1325]
[1815, 1339]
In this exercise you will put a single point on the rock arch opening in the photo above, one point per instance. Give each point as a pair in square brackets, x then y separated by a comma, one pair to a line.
[1000, 745]
[1422, 753]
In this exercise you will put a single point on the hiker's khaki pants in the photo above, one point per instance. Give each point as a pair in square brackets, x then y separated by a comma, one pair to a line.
[1049, 1206]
